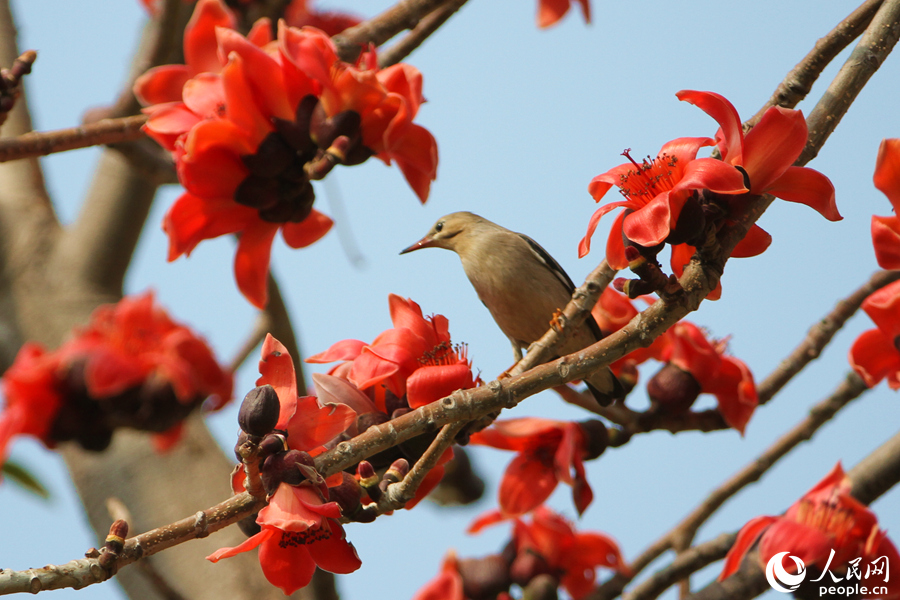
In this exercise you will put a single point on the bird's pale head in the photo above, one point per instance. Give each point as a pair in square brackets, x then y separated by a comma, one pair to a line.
[449, 231]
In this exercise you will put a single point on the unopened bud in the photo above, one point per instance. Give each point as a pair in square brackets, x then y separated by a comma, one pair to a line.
[348, 495]
[397, 471]
[484, 578]
[259, 411]
[596, 438]
[283, 468]
[672, 389]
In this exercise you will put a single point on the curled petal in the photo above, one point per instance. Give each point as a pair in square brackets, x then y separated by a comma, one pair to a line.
[874, 357]
[754, 243]
[772, 146]
[746, 537]
[193, 219]
[809, 187]
[585, 245]
[306, 232]
[343, 350]
[248, 544]
[526, 483]
[430, 383]
[883, 307]
[251, 261]
[886, 240]
[334, 553]
[887, 171]
[200, 35]
[723, 111]
[277, 369]
[313, 425]
[161, 84]
[652, 223]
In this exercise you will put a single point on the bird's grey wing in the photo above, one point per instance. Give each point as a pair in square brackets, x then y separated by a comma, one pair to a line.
[544, 257]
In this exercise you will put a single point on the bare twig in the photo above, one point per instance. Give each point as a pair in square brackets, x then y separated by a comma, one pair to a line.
[681, 536]
[820, 334]
[870, 478]
[419, 34]
[799, 81]
[871, 51]
[107, 131]
[9, 81]
[261, 327]
[406, 14]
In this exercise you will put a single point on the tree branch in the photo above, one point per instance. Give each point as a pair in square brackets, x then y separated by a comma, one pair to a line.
[419, 34]
[107, 131]
[799, 81]
[406, 14]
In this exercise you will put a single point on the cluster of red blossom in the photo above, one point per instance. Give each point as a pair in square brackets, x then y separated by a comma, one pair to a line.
[130, 366]
[250, 120]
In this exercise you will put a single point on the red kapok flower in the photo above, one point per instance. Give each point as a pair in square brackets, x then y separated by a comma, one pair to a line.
[875, 355]
[415, 358]
[827, 528]
[299, 14]
[612, 312]
[655, 192]
[447, 585]
[886, 230]
[551, 11]
[299, 526]
[548, 452]
[131, 365]
[551, 544]
[768, 151]
[694, 366]
[251, 121]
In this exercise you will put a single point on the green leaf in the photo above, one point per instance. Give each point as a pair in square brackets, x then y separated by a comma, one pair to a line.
[23, 478]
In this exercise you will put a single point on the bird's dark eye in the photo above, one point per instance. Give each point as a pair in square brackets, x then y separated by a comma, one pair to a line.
[439, 226]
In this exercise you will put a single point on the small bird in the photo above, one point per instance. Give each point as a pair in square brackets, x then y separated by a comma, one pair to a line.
[521, 285]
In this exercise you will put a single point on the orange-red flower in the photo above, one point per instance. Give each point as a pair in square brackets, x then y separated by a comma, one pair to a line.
[886, 230]
[694, 366]
[551, 11]
[548, 452]
[415, 358]
[612, 312]
[251, 120]
[827, 529]
[447, 585]
[768, 151]
[131, 365]
[550, 544]
[875, 355]
[655, 192]
[299, 527]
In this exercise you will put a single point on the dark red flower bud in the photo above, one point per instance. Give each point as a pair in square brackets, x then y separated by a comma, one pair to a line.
[673, 390]
[249, 526]
[460, 485]
[259, 411]
[689, 229]
[484, 578]
[348, 495]
[397, 471]
[528, 565]
[369, 480]
[272, 156]
[283, 468]
[325, 130]
[596, 438]
[257, 192]
[272, 443]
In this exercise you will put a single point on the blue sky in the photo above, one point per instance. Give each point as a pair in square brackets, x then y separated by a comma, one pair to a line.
[524, 119]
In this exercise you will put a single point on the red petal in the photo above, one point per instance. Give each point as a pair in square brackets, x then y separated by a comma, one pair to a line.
[874, 357]
[287, 566]
[277, 369]
[526, 484]
[746, 537]
[335, 554]
[309, 230]
[343, 350]
[161, 84]
[251, 261]
[714, 175]
[165, 441]
[754, 243]
[337, 390]
[886, 240]
[723, 111]
[431, 383]
[310, 50]
[193, 219]
[887, 171]
[242, 107]
[204, 95]
[551, 11]
[808, 543]
[211, 165]
[200, 35]
[313, 426]
[809, 187]
[416, 154]
[584, 246]
[615, 245]
[248, 544]
[491, 517]
[773, 146]
[262, 74]
[735, 392]
[883, 307]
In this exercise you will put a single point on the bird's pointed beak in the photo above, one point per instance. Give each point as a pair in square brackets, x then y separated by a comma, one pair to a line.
[425, 242]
